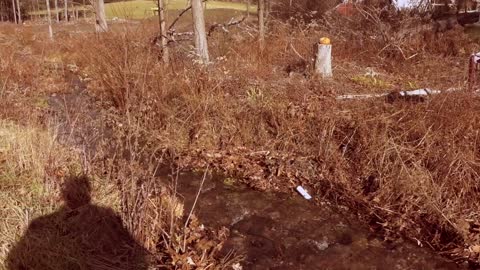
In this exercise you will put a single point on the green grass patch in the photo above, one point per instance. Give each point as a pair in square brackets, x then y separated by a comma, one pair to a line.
[369, 81]
[141, 9]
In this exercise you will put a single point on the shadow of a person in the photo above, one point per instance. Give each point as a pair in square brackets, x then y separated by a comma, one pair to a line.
[79, 235]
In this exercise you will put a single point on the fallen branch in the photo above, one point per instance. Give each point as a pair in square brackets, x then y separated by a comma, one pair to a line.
[179, 16]
[424, 92]
[225, 25]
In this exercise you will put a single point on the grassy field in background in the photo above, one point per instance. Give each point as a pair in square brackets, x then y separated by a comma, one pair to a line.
[141, 9]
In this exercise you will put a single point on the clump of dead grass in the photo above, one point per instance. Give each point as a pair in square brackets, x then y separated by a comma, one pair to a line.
[32, 165]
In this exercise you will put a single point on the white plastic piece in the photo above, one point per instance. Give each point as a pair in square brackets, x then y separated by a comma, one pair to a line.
[304, 193]
[419, 92]
[476, 57]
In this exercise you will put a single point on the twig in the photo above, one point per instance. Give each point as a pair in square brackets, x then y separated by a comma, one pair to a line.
[198, 195]
[296, 52]
[193, 206]
[224, 25]
[180, 15]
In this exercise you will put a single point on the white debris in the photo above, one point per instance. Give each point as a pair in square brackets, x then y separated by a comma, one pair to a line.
[371, 73]
[321, 245]
[419, 92]
[409, 93]
[72, 67]
[237, 266]
[360, 96]
[304, 193]
[190, 261]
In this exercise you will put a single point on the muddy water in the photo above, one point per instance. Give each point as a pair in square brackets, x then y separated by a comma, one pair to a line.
[279, 231]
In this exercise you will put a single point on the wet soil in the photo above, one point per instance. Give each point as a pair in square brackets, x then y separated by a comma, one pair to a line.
[280, 231]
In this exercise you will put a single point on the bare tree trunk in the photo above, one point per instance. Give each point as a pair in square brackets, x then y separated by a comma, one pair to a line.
[163, 31]
[268, 6]
[201, 45]
[49, 18]
[19, 13]
[261, 23]
[14, 12]
[100, 20]
[1, 11]
[248, 8]
[72, 11]
[38, 9]
[84, 9]
[66, 10]
[56, 11]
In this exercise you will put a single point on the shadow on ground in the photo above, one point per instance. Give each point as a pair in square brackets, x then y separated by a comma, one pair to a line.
[80, 235]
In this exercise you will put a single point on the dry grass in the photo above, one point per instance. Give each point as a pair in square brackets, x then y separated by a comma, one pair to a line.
[410, 168]
[34, 165]
[31, 167]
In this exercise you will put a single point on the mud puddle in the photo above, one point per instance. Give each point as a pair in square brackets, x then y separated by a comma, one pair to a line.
[278, 231]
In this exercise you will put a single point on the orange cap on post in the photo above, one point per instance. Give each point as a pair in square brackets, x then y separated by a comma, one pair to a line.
[325, 41]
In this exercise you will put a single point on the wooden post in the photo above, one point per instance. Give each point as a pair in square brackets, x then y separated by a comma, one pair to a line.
[473, 62]
[323, 59]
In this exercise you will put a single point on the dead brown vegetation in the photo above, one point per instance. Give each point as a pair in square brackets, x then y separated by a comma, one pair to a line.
[410, 169]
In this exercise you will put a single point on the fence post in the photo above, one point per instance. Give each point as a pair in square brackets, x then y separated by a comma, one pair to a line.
[323, 59]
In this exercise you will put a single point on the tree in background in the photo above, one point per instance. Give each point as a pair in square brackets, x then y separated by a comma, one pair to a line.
[13, 10]
[261, 23]
[200, 36]
[56, 11]
[49, 18]
[163, 30]
[66, 10]
[19, 12]
[100, 18]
